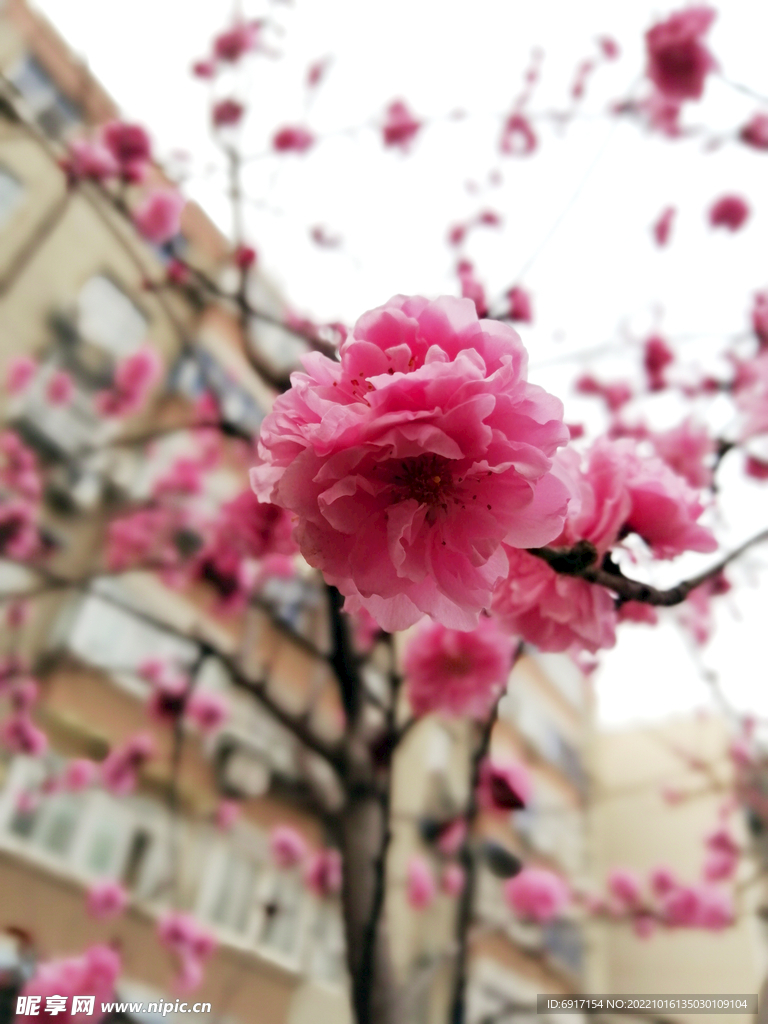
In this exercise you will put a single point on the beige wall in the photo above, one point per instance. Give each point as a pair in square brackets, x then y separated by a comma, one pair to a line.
[633, 826]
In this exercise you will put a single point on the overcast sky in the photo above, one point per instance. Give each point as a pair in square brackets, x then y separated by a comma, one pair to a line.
[576, 216]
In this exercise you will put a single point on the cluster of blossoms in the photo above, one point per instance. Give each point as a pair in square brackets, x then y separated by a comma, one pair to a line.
[173, 698]
[321, 868]
[94, 973]
[191, 944]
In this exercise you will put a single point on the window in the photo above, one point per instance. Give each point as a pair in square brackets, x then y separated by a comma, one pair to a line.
[564, 943]
[194, 375]
[11, 191]
[281, 923]
[54, 113]
[326, 943]
[108, 318]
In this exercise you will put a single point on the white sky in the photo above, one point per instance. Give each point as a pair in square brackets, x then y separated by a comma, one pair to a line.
[596, 278]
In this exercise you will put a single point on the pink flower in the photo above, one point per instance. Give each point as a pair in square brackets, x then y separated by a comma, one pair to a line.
[471, 287]
[759, 319]
[685, 449]
[137, 535]
[207, 710]
[644, 925]
[93, 973]
[452, 837]
[458, 673]
[204, 69]
[624, 885]
[752, 396]
[21, 370]
[227, 113]
[244, 257]
[537, 894]
[410, 461]
[695, 613]
[129, 144]
[504, 786]
[135, 375]
[452, 880]
[400, 126]
[420, 883]
[120, 766]
[19, 537]
[190, 975]
[158, 216]
[20, 735]
[256, 528]
[287, 846]
[715, 908]
[755, 132]
[227, 813]
[293, 139]
[635, 611]
[614, 395]
[90, 159]
[323, 874]
[740, 752]
[168, 698]
[79, 774]
[663, 508]
[729, 212]
[106, 899]
[182, 934]
[663, 226]
[678, 62]
[520, 308]
[657, 356]
[680, 906]
[233, 44]
[518, 137]
[719, 865]
[60, 388]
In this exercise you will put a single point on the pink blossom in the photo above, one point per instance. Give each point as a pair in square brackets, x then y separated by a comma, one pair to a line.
[410, 461]
[722, 841]
[644, 925]
[400, 126]
[518, 137]
[21, 370]
[740, 752]
[233, 44]
[158, 216]
[624, 885]
[759, 319]
[686, 449]
[135, 375]
[317, 71]
[663, 508]
[365, 630]
[120, 767]
[168, 698]
[504, 785]
[24, 694]
[752, 396]
[458, 673]
[177, 272]
[106, 899]
[452, 837]
[662, 228]
[680, 906]
[715, 908]
[520, 307]
[420, 883]
[93, 973]
[256, 528]
[657, 356]
[755, 132]
[19, 538]
[471, 287]
[185, 476]
[678, 61]
[207, 710]
[133, 537]
[293, 139]
[636, 611]
[204, 69]
[695, 613]
[227, 813]
[184, 936]
[190, 975]
[79, 774]
[615, 395]
[287, 846]
[452, 880]
[324, 873]
[729, 212]
[20, 735]
[90, 159]
[537, 893]
[609, 47]
[719, 865]
[227, 113]
[60, 388]
[129, 144]
[244, 257]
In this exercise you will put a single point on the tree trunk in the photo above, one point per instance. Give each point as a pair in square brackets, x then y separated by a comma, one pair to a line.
[364, 840]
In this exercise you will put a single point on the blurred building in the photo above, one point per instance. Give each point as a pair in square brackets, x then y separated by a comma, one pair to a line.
[659, 791]
[74, 294]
